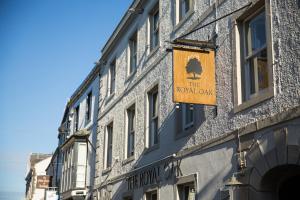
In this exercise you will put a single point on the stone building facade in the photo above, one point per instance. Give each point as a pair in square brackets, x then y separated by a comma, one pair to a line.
[245, 147]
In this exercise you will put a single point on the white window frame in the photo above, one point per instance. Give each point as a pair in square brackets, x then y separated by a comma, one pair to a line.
[150, 142]
[178, 7]
[132, 49]
[89, 105]
[76, 118]
[155, 9]
[108, 147]
[241, 99]
[112, 76]
[129, 132]
[247, 73]
[189, 184]
[151, 192]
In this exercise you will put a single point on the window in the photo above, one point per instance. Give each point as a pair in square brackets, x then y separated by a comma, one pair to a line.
[188, 115]
[109, 141]
[68, 126]
[154, 27]
[76, 120]
[152, 195]
[153, 116]
[188, 118]
[112, 77]
[130, 130]
[132, 53]
[186, 191]
[184, 6]
[79, 164]
[88, 107]
[254, 59]
[68, 169]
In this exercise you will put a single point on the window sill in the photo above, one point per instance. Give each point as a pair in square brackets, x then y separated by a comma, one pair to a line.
[110, 97]
[152, 148]
[188, 126]
[182, 21]
[128, 160]
[107, 170]
[130, 76]
[269, 93]
[152, 52]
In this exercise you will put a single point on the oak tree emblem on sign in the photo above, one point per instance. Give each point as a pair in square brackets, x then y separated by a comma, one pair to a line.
[194, 66]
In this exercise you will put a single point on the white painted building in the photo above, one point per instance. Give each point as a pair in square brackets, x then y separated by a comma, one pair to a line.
[37, 165]
[77, 135]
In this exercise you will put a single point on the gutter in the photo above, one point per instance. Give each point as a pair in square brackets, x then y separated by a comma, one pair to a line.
[90, 77]
[120, 28]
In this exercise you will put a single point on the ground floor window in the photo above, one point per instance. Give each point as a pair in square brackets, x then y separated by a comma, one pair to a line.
[186, 191]
[152, 195]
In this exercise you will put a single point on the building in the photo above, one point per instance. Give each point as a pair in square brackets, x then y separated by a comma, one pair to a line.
[77, 140]
[245, 147]
[36, 179]
[54, 170]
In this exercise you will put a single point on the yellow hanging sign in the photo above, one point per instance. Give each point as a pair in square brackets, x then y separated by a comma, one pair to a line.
[194, 76]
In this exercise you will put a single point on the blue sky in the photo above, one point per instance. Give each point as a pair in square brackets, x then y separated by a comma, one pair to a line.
[47, 47]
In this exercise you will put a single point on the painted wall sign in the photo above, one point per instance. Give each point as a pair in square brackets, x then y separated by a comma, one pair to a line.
[194, 76]
[43, 181]
[154, 174]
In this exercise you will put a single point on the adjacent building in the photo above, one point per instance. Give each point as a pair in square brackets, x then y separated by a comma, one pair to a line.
[77, 140]
[36, 179]
[244, 147]
[54, 172]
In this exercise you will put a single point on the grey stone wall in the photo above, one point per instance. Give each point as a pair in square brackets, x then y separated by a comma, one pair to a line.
[157, 68]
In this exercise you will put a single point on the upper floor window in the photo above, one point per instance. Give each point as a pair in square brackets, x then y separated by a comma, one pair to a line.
[76, 120]
[153, 117]
[255, 57]
[68, 126]
[88, 107]
[132, 53]
[154, 27]
[188, 115]
[188, 118]
[130, 130]
[184, 8]
[109, 143]
[254, 60]
[112, 77]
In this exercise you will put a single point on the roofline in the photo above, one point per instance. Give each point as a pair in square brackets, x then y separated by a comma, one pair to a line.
[120, 27]
[90, 78]
[74, 97]
[53, 157]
